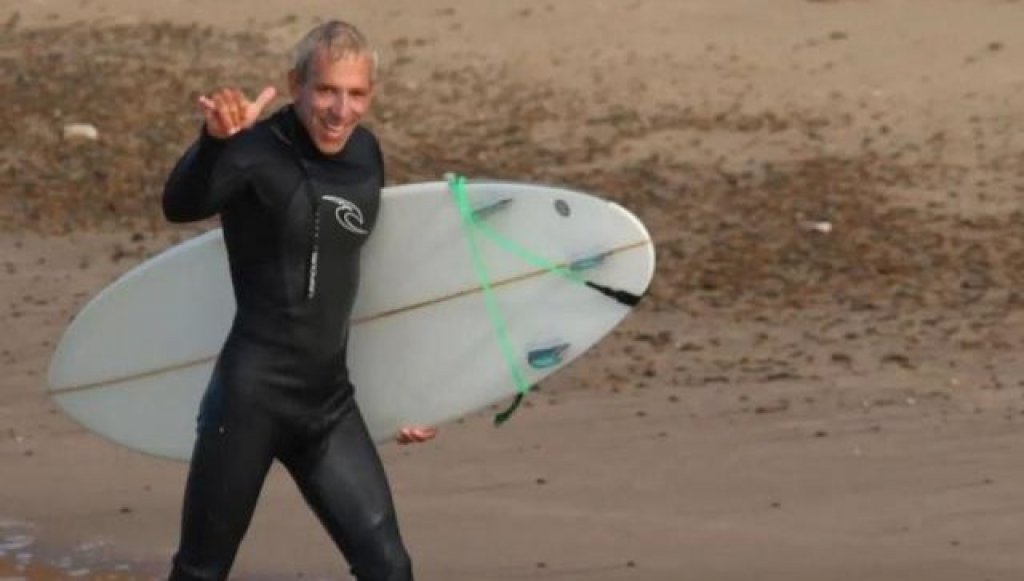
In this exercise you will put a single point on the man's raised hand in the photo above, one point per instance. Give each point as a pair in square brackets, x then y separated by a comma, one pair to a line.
[228, 111]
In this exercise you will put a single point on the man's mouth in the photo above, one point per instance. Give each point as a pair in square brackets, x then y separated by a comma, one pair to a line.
[333, 131]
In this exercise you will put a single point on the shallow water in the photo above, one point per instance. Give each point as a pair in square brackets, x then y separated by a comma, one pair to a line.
[24, 558]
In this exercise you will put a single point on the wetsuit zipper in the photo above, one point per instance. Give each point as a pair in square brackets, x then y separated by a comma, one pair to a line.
[314, 253]
[314, 202]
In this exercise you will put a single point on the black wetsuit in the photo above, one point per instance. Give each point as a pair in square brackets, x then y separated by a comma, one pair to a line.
[294, 221]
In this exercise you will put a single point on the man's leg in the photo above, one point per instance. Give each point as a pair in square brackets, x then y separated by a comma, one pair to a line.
[229, 464]
[343, 480]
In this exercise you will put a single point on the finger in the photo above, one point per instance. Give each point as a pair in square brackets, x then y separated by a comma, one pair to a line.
[263, 99]
[415, 435]
[206, 104]
[232, 105]
[407, 436]
[254, 108]
[209, 110]
[223, 114]
[214, 126]
[422, 434]
[235, 101]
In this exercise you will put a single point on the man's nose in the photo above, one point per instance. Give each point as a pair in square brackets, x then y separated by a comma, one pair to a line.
[340, 106]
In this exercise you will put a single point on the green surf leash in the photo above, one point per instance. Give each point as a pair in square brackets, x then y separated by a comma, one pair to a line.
[457, 184]
[471, 225]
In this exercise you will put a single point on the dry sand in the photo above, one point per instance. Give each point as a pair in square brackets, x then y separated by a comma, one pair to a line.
[789, 404]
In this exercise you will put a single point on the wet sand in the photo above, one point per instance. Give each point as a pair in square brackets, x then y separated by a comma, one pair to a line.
[822, 384]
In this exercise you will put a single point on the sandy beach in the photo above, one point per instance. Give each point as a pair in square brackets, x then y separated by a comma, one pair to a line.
[823, 384]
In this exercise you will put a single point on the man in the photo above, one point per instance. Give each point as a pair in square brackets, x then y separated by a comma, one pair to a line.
[298, 195]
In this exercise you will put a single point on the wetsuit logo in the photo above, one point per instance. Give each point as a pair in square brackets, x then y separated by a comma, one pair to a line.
[349, 216]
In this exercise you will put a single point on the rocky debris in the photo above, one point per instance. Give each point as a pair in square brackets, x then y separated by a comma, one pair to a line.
[86, 131]
[733, 227]
[757, 213]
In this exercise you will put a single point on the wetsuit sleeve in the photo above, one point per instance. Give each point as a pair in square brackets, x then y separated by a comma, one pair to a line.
[201, 183]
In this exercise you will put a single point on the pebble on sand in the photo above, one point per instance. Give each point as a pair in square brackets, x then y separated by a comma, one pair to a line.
[84, 131]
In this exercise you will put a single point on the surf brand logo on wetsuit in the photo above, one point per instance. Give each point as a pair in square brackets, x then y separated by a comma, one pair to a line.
[348, 215]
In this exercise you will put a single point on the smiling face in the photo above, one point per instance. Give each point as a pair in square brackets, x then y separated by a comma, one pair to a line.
[333, 97]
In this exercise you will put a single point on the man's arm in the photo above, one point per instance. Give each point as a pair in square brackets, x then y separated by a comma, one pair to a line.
[193, 191]
[190, 193]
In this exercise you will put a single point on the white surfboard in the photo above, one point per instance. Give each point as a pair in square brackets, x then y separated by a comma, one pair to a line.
[134, 363]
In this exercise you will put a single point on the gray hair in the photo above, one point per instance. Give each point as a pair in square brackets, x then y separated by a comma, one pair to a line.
[340, 39]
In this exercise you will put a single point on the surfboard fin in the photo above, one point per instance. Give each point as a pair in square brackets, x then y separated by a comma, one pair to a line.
[588, 262]
[546, 357]
[485, 211]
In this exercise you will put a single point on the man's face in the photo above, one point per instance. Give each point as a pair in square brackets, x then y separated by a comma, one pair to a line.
[333, 98]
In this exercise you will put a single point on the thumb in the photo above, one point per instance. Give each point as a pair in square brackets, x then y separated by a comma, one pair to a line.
[263, 99]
